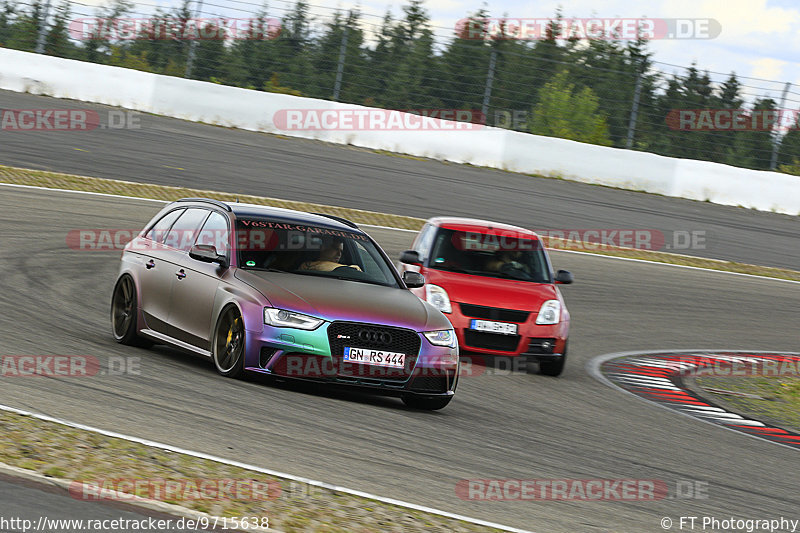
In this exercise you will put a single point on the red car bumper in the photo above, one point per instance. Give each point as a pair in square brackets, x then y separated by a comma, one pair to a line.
[543, 342]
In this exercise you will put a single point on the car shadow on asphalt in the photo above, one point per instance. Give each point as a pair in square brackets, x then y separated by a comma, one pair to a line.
[202, 364]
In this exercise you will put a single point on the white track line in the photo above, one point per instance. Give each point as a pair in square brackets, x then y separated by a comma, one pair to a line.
[155, 200]
[83, 192]
[126, 499]
[321, 484]
[412, 231]
[674, 265]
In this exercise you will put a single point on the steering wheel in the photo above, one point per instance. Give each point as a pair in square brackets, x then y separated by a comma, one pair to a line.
[515, 272]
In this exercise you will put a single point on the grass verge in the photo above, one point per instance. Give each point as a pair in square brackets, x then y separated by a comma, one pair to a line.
[772, 399]
[59, 451]
[56, 180]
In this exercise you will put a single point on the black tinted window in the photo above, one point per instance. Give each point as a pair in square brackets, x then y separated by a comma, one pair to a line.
[496, 254]
[184, 231]
[160, 228]
[216, 233]
[265, 244]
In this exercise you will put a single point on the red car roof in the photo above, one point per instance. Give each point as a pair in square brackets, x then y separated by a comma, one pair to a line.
[480, 226]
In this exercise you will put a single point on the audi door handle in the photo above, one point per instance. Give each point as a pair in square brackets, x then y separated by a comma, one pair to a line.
[150, 264]
[181, 274]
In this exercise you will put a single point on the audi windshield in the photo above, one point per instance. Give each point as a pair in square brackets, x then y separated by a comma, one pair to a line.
[268, 245]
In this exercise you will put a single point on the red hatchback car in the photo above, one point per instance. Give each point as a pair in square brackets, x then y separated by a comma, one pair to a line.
[496, 285]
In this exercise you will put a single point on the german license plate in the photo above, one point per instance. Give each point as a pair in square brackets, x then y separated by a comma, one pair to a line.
[366, 356]
[503, 328]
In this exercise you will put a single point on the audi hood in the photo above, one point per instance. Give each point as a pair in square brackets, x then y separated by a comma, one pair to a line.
[335, 299]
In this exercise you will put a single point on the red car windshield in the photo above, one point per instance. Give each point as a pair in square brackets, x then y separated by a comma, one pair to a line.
[499, 255]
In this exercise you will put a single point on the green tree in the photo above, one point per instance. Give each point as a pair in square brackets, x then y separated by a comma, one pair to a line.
[379, 62]
[754, 147]
[7, 13]
[464, 65]
[98, 47]
[692, 91]
[252, 60]
[413, 77]
[162, 43]
[562, 111]
[58, 41]
[789, 150]
[121, 57]
[325, 58]
[515, 83]
[25, 28]
[293, 49]
[698, 94]
[610, 68]
[724, 142]
[210, 55]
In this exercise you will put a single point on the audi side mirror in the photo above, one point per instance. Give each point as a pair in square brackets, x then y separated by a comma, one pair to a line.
[207, 253]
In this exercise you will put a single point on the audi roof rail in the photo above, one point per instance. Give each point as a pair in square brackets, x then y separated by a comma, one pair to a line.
[338, 219]
[217, 203]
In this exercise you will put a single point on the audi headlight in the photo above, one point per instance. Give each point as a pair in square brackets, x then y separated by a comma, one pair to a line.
[282, 318]
[550, 313]
[442, 337]
[437, 296]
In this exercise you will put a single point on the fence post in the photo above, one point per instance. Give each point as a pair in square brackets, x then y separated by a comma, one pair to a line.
[634, 110]
[337, 86]
[487, 93]
[193, 44]
[40, 39]
[773, 162]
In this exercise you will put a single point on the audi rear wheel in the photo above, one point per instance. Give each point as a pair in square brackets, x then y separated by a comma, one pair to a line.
[124, 314]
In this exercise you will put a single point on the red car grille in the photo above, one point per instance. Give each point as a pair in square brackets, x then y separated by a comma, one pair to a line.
[491, 341]
[494, 313]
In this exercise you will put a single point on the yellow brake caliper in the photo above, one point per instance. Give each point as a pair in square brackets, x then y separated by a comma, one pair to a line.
[230, 332]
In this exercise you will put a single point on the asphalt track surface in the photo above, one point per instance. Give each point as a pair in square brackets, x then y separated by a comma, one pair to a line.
[24, 503]
[174, 152]
[55, 300]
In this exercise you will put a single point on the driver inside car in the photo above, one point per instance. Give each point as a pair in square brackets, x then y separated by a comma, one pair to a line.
[505, 259]
[329, 256]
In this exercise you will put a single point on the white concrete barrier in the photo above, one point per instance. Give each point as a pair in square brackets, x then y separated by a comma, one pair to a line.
[490, 147]
[727, 185]
[589, 163]
[64, 78]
